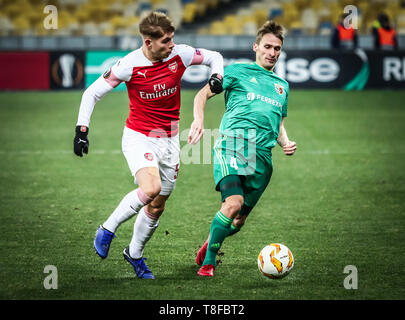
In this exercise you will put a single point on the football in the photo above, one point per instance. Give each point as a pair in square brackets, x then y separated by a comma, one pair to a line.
[275, 261]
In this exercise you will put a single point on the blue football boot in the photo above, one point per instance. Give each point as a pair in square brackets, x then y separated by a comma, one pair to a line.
[102, 241]
[141, 269]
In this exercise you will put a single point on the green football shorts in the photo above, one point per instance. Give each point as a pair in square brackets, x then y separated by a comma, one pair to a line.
[236, 156]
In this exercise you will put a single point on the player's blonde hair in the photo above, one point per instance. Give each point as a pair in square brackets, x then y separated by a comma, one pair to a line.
[155, 25]
[272, 27]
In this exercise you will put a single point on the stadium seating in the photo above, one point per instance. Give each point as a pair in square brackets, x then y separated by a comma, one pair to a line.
[117, 17]
[401, 22]
[312, 16]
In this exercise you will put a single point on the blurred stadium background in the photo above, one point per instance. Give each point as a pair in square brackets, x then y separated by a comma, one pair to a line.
[104, 30]
[203, 17]
[106, 24]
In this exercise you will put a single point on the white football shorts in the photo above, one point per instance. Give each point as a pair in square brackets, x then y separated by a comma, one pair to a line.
[142, 151]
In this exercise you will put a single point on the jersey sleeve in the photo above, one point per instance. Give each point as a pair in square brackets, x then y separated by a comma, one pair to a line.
[186, 53]
[91, 96]
[122, 69]
[192, 56]
[230, 77]
[285, 105]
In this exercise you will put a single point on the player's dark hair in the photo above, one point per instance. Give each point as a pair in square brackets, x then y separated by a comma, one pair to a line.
[270, 27]
[155, 25]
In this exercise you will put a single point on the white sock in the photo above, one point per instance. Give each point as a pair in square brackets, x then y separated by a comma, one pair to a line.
[128, 207]
[144, 227]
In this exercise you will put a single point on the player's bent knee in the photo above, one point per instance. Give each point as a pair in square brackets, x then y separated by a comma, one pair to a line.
[149, 181]
[151, 188]
[233, 205]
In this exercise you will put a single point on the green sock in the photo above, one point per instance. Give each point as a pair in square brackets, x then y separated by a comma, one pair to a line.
[220, 228]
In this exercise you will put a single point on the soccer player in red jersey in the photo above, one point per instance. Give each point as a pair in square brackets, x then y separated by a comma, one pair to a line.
[150, 141]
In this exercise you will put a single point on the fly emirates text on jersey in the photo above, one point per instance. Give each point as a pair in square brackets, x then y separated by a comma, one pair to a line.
[159, 91]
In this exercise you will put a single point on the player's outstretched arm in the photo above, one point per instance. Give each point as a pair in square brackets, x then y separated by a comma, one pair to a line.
[90, 97]
[288, 146]
[197, 127]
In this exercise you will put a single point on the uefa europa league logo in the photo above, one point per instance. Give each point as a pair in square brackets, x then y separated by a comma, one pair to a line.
[67, 70]
[66, 62]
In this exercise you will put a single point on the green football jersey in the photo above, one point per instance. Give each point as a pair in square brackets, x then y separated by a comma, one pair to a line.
[255, 100]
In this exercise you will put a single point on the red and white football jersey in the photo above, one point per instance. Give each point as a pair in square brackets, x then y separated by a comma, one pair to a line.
[154, 89]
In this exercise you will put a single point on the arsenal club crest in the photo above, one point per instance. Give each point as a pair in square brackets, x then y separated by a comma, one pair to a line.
[148, 156]
[173, 67]
[279, 88]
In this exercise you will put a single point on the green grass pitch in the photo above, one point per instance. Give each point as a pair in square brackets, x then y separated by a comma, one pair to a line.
[338, 201]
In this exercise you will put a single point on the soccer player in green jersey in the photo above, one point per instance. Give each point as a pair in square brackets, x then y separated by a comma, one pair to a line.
[256, 105]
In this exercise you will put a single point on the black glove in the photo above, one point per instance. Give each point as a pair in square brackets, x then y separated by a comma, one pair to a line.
[81, 143]
[215, 83]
